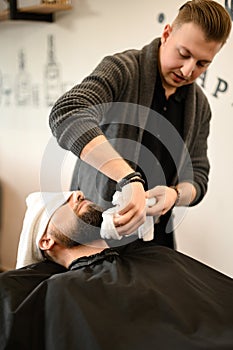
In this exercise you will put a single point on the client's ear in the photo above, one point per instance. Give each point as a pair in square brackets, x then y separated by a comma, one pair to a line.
[46, 242]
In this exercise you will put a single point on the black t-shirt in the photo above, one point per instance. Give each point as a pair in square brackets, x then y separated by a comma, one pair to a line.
[161, 143]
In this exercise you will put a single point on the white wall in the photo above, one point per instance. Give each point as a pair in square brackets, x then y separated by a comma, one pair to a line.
[82, 37]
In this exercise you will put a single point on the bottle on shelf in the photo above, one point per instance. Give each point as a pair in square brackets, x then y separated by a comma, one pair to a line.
[52, 74]
[23, 82]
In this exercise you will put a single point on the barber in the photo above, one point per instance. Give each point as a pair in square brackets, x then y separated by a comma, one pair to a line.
[94, 119]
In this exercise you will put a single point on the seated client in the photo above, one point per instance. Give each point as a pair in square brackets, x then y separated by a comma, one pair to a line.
[129, 297]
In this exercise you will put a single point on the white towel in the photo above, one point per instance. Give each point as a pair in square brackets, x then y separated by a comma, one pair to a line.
[40, 208]
[108, 230]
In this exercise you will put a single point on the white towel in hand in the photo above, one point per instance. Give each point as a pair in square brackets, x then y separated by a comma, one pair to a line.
[108, 230]
[40, 208]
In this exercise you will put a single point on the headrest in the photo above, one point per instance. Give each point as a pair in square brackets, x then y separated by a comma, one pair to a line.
[40, 208]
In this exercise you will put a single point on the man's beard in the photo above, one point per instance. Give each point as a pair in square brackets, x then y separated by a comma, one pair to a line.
[93, 215]
[85, 229]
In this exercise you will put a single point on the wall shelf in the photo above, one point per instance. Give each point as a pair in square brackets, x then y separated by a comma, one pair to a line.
[41, 12]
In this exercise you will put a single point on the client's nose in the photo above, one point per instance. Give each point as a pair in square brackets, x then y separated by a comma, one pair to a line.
[80, 196]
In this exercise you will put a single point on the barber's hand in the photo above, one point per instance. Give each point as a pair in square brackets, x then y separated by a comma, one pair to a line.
[133, 214]
[165, 199]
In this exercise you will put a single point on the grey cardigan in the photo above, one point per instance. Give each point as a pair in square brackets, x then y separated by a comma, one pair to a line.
[118, 93]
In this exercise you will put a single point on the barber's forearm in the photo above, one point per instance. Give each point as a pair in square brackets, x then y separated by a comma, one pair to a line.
[187, 193]
[100, 154]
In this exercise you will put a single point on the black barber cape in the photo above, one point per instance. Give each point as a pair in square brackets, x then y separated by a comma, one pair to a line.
[133, 298]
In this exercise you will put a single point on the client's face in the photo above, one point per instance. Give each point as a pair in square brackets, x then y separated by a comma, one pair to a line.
[76, 222]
